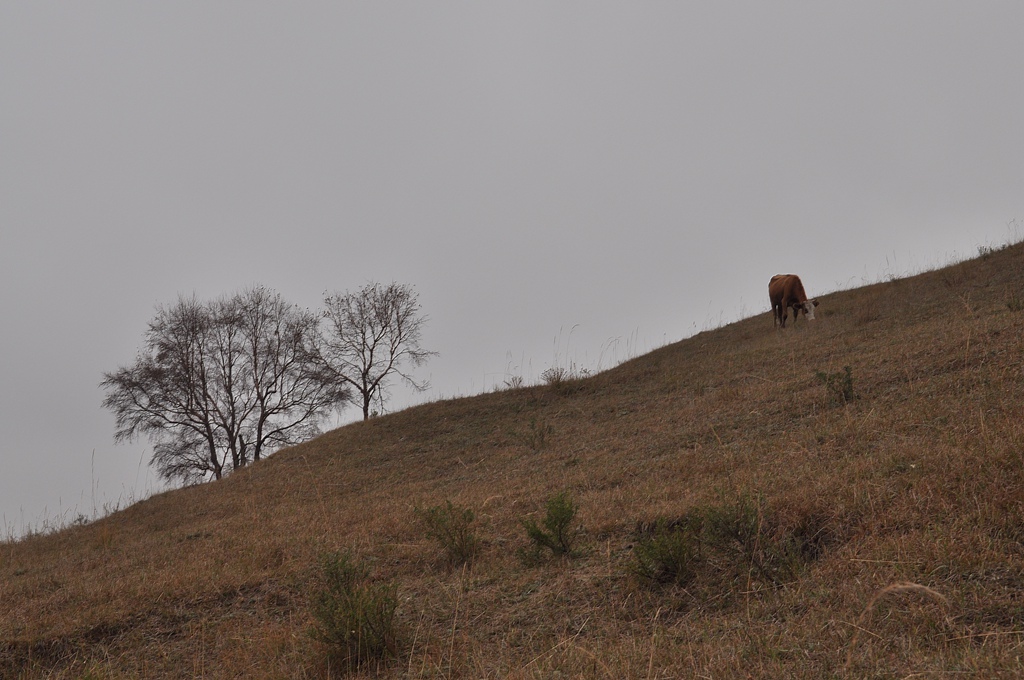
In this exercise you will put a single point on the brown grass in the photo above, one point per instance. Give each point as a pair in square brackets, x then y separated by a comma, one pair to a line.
[893, 589]
[918, 480]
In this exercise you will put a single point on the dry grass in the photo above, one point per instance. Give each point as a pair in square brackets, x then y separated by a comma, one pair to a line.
[918, 480]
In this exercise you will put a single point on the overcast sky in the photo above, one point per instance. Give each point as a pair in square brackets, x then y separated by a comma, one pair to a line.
[562, 182]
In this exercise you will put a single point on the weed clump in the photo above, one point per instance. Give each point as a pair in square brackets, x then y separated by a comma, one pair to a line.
[565, 381]
[557, 533]
[725, 547]
[355, 618]
[555, 376]
[1014, 301]
[838, 386]
[668, 554]
[536, 436]
[514, 382]
[452, 527]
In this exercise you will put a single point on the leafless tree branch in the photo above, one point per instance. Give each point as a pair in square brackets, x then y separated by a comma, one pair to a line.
[368, 337]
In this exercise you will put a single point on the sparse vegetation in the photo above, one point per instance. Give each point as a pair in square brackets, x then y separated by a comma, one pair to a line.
[667, 553]
[355, 618]
[1014, 301]
[452, 527]
[514, 382]
[813, 538]
[838, 386]
[727, 546]
[558, 533]
[536, 435]
[555, 376]
[565, 381]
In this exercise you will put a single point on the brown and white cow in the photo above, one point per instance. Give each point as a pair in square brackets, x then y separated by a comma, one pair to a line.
[785, 291]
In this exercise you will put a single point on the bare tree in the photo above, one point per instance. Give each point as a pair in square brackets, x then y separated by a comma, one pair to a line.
[287, 388]
[166, 394]
[219, 385]
[369, 337]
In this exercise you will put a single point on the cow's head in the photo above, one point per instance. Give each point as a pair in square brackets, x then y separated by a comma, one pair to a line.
[809, 306]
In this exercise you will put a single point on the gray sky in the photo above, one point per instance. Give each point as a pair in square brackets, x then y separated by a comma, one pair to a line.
[570, 182]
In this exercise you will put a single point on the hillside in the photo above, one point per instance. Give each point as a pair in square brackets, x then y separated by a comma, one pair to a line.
[917, 479]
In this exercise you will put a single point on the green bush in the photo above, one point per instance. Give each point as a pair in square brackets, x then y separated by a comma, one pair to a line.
[744, 533]
[557, 533]
[725, 545]
[355, 619]
[452, 527]
[668, 554]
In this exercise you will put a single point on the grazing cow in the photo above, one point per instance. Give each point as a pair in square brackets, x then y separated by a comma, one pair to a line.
[785, 291]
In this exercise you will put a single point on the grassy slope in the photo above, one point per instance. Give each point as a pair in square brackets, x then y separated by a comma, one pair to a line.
[917, 480]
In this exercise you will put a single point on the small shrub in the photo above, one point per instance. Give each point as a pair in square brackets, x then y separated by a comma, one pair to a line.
[744, 533]
[565, 381]
[355, 619]
[838, 386]
[536, 436]
[514, 382]
[557, 534]
[668, 554]
[1014, 302]
[452, 527]
[555, 376]
[724, 546]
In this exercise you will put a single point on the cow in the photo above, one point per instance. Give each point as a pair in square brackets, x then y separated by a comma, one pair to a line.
[785, 291]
